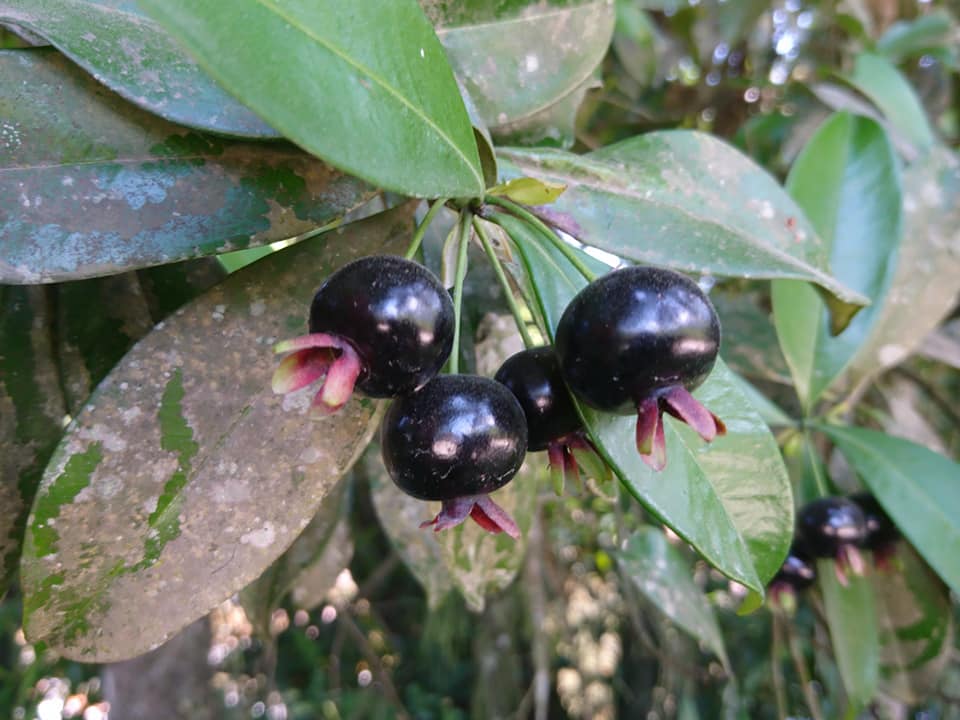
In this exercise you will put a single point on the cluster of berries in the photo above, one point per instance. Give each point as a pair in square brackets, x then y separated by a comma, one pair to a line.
[834, 528]
[636, 340]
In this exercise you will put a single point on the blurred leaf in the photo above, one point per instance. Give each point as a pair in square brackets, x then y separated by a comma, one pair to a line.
[516, 67]
[916, 626]
[185, 476]
[90, 185]
[311, 586]
[918, 488]
[31, 411]
[389, 112]
[635, 41]
[136, 58]
[848, 182]
[689, 201]
[664, 577]
[926, 281]
[308, 555]
[852, 618]
[731, 499]
[928, 33]
[878, 79]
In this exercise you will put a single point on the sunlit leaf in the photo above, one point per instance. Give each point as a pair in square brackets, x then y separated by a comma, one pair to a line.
[185, 476]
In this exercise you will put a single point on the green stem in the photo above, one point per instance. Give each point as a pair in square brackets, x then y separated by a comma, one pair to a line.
[461, 274]
[422, 228]
[504, 283]
[818, 478]
[558, 242]
[806, 684]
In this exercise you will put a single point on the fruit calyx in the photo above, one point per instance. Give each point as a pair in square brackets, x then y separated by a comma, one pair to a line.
[314, 357]
[678, 402]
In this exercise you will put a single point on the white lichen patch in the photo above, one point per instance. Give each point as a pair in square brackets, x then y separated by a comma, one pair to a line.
[261, 538]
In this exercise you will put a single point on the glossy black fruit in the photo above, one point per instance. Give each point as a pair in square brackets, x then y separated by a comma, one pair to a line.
[459, 435]
[798, 571]
[633, 332]
[828, 525]
[881, 532]
[395, 313]
[533, 376]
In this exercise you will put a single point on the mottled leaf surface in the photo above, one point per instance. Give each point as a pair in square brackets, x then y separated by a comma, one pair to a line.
[133, 56]
[664, 577]
[517, 67]
[90, 185]
[926, 281]
[918, 488]
[185, 476]
[686, 200]
[729, 499]
[364, 85]
[916, 626]
[847, 180]
[854, 633]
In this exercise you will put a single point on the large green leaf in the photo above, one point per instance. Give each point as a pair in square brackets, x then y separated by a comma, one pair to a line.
[664, 577]
[90, 185]
[926, 281]
[730, 499]
[878, 79]
[135, 57]
[185, 476]
[31, 411]
[918, 488]
[686, 200]
[854, 632]
[848, 182]
[518, 67]
[916, 627]
[931, 33]
[365, 85]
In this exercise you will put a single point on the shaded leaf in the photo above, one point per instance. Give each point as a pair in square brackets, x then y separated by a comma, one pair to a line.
[730, 499]
[926, 281]
[771, 413]
[749, 338]
[169, 287]
[31, 411]
[929, 33]
[317, 579]
[664, 577]
[516, 67]
[389, 112]
[918, 488]
[185, 476]
[136, 58]
[689, 201]
[854, 633]
[90, 185]
[848, 182]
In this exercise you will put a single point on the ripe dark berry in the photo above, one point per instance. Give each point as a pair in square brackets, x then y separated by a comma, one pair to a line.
[834, 527]
[797, 572]
[881, 532]
[533, 376]
[456, 439]
[381, 323]
[640, 339]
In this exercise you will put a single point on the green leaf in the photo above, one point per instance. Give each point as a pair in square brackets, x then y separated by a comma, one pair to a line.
[89, 185]
[749, 337]
[664, 577]
[771, 413]
[848, 181]
[31, 411]
[731, 499]
[516, 67]
[919, 489]
[689, 201]
[916, 626]
[185, 476]
[926, 281]
[878, 79]
[854, 632]
[379, 99]
[529, 191]
[927, 34]
[136, 58]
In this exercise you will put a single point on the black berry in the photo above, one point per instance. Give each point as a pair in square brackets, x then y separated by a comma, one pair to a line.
[797, 572]
[639, 340]
[828, 525]
[381, 323]
[457, 439]
[881, 532]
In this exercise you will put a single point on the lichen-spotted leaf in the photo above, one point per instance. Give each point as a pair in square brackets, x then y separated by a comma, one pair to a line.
[185, 476]
[91, 185]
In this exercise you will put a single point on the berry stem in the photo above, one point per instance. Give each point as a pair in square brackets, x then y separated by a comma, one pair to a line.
[800, 663]
[422, 228]
[548, 234]
[504, 283]
[465, 218]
